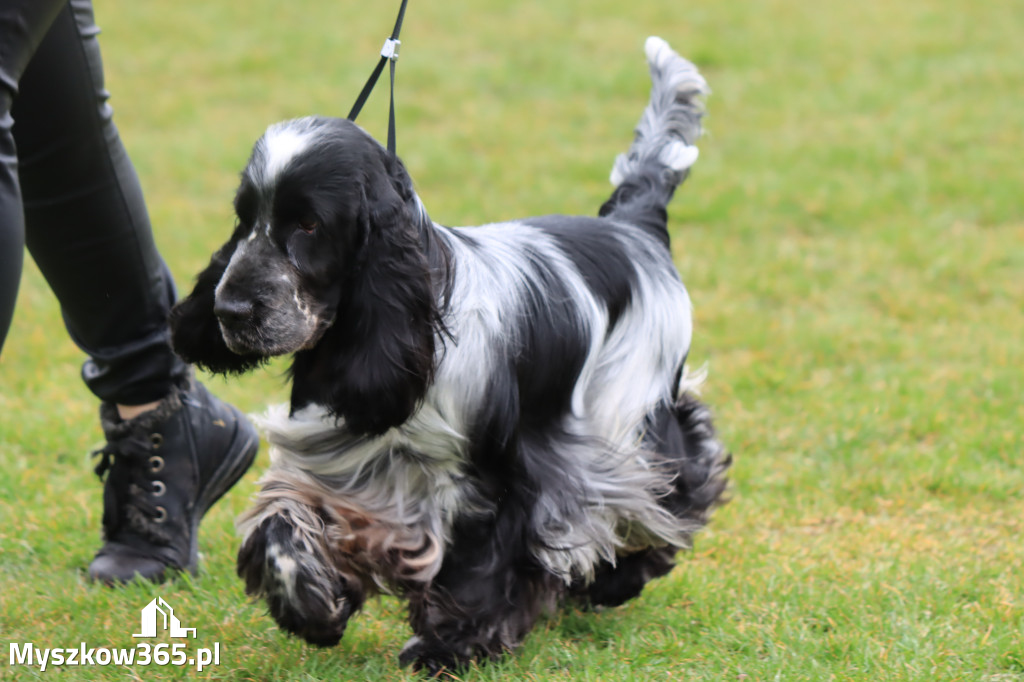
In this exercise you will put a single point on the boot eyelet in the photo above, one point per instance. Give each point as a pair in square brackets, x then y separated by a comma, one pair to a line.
[157, 439]
[159, 488]
[156, 464]
[161, 515]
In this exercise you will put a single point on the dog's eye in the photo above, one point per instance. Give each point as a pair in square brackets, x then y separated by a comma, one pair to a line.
[308, 225]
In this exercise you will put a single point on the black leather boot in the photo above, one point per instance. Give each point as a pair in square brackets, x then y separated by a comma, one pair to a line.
[164, 469]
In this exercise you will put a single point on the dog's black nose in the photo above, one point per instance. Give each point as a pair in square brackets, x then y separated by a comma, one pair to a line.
[232, 311]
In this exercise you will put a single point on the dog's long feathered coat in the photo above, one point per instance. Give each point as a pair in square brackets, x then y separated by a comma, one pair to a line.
[484, 419]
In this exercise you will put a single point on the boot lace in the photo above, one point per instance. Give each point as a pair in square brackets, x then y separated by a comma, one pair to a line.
[128, 466]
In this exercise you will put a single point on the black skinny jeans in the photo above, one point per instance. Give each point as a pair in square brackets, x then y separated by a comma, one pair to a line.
[70, 193]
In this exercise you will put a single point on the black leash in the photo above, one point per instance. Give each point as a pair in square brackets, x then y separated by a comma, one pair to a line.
[388, 53]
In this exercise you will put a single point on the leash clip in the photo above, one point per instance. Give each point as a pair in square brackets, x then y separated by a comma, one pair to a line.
[390, 49]
[388, 53]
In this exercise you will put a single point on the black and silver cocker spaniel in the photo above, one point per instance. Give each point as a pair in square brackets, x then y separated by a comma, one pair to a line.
[484, 420]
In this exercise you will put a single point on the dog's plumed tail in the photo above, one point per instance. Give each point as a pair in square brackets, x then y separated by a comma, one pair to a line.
[658, 161]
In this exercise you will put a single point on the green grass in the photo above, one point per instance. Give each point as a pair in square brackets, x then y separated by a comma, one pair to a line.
[853, 239]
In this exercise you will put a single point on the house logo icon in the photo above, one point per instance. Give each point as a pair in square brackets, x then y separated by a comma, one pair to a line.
[169, 621]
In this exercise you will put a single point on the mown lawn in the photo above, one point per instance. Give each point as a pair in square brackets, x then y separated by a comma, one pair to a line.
[853, 239]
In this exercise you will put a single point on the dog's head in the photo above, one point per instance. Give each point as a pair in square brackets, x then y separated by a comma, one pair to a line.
[329, 259]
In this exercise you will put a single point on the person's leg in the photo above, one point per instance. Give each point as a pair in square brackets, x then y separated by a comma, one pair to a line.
[171, 457]
[12, 225]
[23, 23]
[88, 228]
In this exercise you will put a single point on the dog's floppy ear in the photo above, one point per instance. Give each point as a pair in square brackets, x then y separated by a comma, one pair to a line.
[195, 332]
[375, 363]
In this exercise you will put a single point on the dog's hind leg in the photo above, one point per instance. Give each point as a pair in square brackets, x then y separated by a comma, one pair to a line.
[696, 463]
[616, 584]
[696, 460]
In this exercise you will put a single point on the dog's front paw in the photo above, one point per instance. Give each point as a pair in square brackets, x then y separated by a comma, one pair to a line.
[304, 592]
[432, 657]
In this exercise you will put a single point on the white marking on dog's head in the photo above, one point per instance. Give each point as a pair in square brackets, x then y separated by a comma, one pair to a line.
[282, 143]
